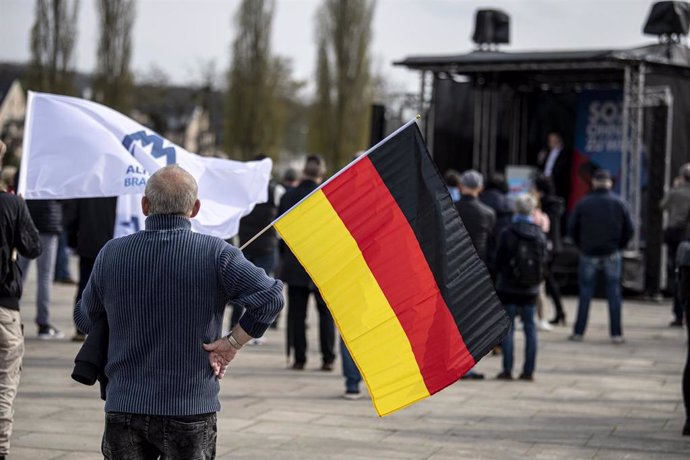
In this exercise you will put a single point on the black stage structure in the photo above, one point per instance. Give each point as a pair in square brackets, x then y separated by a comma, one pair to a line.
[487, 109]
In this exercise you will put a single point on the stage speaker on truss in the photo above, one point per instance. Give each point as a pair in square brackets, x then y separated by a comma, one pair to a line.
[668, 19]
[491, 27]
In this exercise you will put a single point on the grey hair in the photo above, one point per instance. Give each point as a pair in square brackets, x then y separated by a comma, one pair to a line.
[171, 190]
[525, 204]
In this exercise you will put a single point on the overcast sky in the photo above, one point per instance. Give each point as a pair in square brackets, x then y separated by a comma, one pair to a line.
[179, 36]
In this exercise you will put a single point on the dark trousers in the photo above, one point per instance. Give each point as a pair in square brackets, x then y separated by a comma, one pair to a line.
[672, 246]
[297, 318]
[686, 372]
[554, 292]
[143, 437]
[85, 269]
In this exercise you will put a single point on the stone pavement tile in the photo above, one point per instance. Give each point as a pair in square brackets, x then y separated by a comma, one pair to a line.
[497, 449]
[66, 441]
[647, 442]
[335, 448]
[250, 453]
[49, 425]
[325, 433]
[617, 454]
[386, 423]
[229, 440]
[30, 453]
[545, 451]
[80, 455]
[288, 416]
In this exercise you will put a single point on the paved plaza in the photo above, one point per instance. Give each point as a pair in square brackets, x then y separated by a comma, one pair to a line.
[590, 400]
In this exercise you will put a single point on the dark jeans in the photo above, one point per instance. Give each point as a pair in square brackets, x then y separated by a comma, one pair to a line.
[268, 263]
[352, 376]
[143, 437]
[297, 317]
[589, 267]
[62, 259]
[527, 313]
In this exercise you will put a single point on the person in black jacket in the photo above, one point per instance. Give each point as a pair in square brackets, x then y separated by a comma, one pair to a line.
[554, 207]
[47, 216]
[682, 266]
[300, 285]
[600, 227]
[17, 235]
[90, 223]
[262, 252]
[518, 294]
[495, 196]
[478, 218]
[555, 162]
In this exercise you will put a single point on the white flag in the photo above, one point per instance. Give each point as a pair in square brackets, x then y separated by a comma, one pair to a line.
[74, 148]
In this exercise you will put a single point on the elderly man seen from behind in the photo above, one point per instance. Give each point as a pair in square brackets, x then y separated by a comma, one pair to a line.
[163, 292]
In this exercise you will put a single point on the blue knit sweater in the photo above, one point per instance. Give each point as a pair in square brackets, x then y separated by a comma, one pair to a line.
[164, 292]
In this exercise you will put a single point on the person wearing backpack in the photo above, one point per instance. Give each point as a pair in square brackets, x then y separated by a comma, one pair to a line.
[520, 266]
[600, 227]
[18, 235]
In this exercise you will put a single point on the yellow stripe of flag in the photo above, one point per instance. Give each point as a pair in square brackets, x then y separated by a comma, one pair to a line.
[319, 239]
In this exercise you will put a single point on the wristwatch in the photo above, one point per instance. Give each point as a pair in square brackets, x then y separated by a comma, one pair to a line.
[233, 342]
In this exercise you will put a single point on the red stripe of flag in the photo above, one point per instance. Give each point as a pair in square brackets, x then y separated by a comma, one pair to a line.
[394, 256]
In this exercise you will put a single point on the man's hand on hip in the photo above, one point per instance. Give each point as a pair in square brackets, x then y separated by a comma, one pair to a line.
[220, 353]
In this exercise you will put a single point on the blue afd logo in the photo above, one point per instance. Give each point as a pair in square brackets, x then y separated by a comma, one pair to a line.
[145, 139]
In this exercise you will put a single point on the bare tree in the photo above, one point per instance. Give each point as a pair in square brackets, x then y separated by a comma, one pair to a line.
[53, 36]
[113, 79]
[247, 98]
[340, 114]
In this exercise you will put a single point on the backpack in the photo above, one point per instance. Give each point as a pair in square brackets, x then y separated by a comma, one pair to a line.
[527, 264]
[683, 271]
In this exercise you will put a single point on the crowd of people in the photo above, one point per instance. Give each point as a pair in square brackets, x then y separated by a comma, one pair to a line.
[517, 237]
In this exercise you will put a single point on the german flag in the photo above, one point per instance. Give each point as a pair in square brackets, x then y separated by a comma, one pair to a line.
[385, 246]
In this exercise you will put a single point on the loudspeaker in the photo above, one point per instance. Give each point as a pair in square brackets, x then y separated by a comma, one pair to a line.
[668, 18]
[491, 26]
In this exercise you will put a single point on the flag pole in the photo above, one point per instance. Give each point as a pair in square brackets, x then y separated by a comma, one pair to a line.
[348, 166]
[26, 146]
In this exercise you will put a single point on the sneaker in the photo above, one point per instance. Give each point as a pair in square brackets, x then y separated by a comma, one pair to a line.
[544, 326]
[352, 395]
[78, 337]
[575, 338]
[504, 376]
[617, 339]
[48, 332]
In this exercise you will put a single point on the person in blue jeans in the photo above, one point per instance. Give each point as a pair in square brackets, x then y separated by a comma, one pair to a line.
[600, 227]
[353, 378]
[519, 262]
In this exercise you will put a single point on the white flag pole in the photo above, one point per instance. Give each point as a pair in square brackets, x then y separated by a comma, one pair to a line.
[333, 177]
[26, 145]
